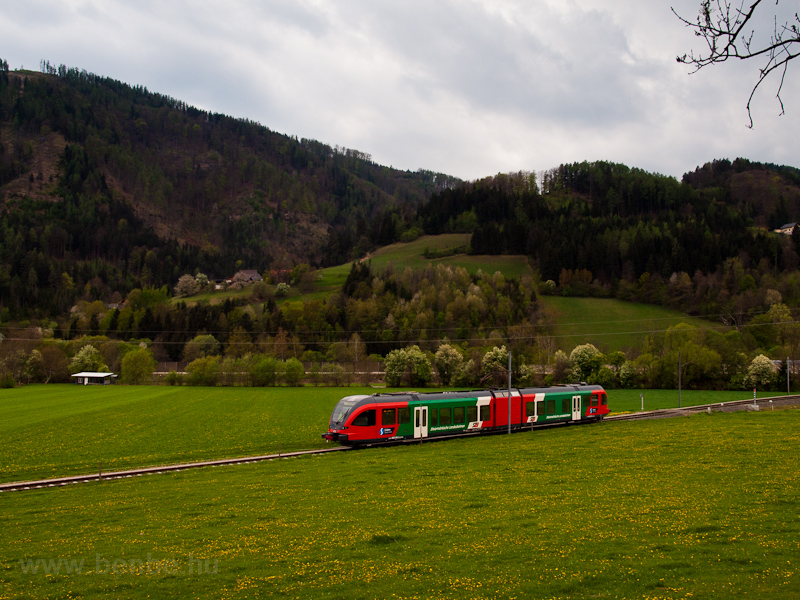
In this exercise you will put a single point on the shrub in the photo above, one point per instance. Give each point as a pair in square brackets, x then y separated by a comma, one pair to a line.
[585, 361]
[138, 366]
[407, 366]
[172, 378]
[494, 366]
[262, 370]
[186, 286]
[87, 359]
[448, 363]
[201, 346]
[7, 381]
[761, 373]
[294, 372]
[204, 371]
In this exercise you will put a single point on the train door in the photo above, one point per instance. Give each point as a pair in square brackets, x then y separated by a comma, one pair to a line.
[576, 408]
[420, 421]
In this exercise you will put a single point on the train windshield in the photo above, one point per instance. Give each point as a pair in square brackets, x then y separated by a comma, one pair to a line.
[343, 409]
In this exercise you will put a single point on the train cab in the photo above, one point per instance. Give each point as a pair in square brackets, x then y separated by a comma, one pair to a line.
[365, 419]
[598, 404]
[343, 412]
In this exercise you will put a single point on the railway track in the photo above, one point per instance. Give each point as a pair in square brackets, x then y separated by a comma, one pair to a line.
[761, 403]
[100, 476]
[732, 406]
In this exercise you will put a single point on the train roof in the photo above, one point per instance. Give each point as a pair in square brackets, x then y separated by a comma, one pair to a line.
[392, 397]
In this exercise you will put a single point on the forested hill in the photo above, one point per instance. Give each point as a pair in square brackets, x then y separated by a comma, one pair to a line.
[616, 223]
[102, 180]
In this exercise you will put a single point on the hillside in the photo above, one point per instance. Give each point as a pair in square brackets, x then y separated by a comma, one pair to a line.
[105, 188]
[102, 180]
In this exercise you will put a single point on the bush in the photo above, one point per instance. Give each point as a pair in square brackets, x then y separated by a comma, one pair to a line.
[294, 372]
[527, 375]
[262, 370]
[172, 378]
[494, 366]
[187, 286]
[407, 366]
[87, 359]
[7, 381]
[201, 346]
[761, 373]
[204, 371]
[585, 361]
[138, 366]
[337, 375]
[448, 363]
[606, 378]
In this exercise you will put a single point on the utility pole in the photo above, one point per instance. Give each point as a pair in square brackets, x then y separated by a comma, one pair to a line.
[679, 378]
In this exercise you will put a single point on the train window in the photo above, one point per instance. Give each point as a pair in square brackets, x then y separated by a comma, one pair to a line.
[551, 407]
[434, 417]
[403, 416]
[472, 414]
[593, 401]
[540, 407]
[486, 413]
[365, 419]
[530, 409]
[604, 400]
[565, 406]
[444, 416]
[387, 416]
[458, 415]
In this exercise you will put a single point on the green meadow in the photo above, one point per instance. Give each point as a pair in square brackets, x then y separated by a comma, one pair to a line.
[701, 507]
[58, 430]
[611, 324]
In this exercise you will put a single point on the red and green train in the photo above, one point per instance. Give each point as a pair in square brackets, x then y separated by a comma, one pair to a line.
[411, 415]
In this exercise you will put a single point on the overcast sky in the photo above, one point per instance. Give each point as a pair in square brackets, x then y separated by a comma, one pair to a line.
[465, 87]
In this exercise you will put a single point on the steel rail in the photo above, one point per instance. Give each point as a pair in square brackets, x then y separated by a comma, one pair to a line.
[730, 406]
[100, 476]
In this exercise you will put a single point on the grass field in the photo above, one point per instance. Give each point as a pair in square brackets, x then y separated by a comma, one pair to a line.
[58, 430]
[702, 507]
[611, 324]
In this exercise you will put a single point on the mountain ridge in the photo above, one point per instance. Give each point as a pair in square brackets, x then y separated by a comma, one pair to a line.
[105, 187]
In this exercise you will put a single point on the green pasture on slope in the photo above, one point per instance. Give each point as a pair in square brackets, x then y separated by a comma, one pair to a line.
[400, 255]
[611, 324]
[412, 254]
[701, 507]
[59, 430]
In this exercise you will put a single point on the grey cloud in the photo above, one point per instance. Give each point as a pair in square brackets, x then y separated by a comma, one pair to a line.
[470, 87]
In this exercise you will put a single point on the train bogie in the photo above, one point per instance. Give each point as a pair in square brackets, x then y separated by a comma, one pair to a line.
[410, 415]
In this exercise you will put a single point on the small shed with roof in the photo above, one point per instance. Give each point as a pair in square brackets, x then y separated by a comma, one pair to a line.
[94, 378]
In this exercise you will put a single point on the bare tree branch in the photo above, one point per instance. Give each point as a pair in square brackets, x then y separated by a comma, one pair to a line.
[729, 32]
